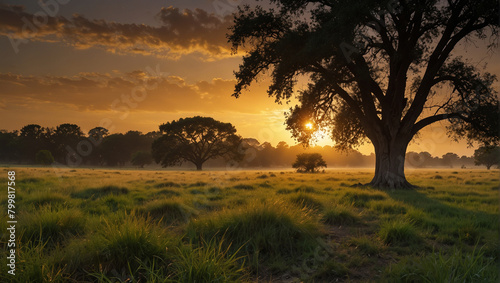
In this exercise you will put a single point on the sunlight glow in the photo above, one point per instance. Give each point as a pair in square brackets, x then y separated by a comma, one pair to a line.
[309, 126]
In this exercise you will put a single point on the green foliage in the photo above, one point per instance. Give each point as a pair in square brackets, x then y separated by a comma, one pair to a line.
[306, 200]
[459, 266]
[168, 211]
[270, 232]
[398, 232]
[34, 265]
[330, 269]
[44, 157]
[366, 245]
[167, 192]
[94, 193]
[51, 226]
[359, 199]
[305, 189]
[119, 243]
[244, 187]
[167, 184]
[42, 198]
[388, 206]
[339, 215]
[309, 162]
[209, 262]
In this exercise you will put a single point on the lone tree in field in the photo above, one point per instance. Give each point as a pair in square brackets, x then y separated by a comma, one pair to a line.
[141, 158]
[195, 140]
[44, 157]
[377, 70]
[487, 156]
[309, 162]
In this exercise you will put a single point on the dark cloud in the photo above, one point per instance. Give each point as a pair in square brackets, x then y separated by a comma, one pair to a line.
[179, 32]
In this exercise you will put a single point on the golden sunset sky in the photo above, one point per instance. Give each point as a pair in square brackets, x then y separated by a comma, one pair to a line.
[86, 62]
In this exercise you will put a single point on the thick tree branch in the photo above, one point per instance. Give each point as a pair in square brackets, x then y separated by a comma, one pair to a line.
[432, 119]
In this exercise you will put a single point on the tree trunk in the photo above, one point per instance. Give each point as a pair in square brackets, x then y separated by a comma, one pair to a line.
[389, 165]
[198, 166]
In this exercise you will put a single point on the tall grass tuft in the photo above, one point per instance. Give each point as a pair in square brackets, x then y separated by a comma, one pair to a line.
[167, 185]
[168, 211]
[398, 232]
[388, 206]
[210, 262]
[154, 271]
[94, 193]
[365, 245]
[167, 192]
[359, 199]
[305, 189]
[120, 244]
[52, 226]
[244, 187]
[458, 266]
[42, 198]
[270, 233]
[339, 215]
[305, 200]
[35, 265]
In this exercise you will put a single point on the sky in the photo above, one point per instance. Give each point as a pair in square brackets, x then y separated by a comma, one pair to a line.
[86, 63]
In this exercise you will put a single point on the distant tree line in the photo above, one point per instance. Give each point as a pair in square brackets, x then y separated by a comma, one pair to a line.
[283, 155]
[67, 144]
[34, 144]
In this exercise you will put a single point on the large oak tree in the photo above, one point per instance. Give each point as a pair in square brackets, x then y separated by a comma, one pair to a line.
[377, 70]
[196, 140]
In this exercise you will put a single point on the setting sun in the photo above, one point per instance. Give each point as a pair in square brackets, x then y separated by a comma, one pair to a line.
[309, 126]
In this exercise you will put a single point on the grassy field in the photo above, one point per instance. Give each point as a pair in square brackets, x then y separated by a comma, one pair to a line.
[85, 225]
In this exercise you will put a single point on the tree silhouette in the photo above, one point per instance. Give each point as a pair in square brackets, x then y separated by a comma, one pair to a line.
[450, 158]
[375, 68]
[32, 138]
[9, 146]
[141, 158]
[44, 157]
[96, 136]
[114, 150]
[66, 137]
[487, 155]
[309, 162]
[195, 140]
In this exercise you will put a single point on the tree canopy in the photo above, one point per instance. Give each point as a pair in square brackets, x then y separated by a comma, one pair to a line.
[141, 158]
[196, 140]
[377, 70]
[487, 156]
[309, 162]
